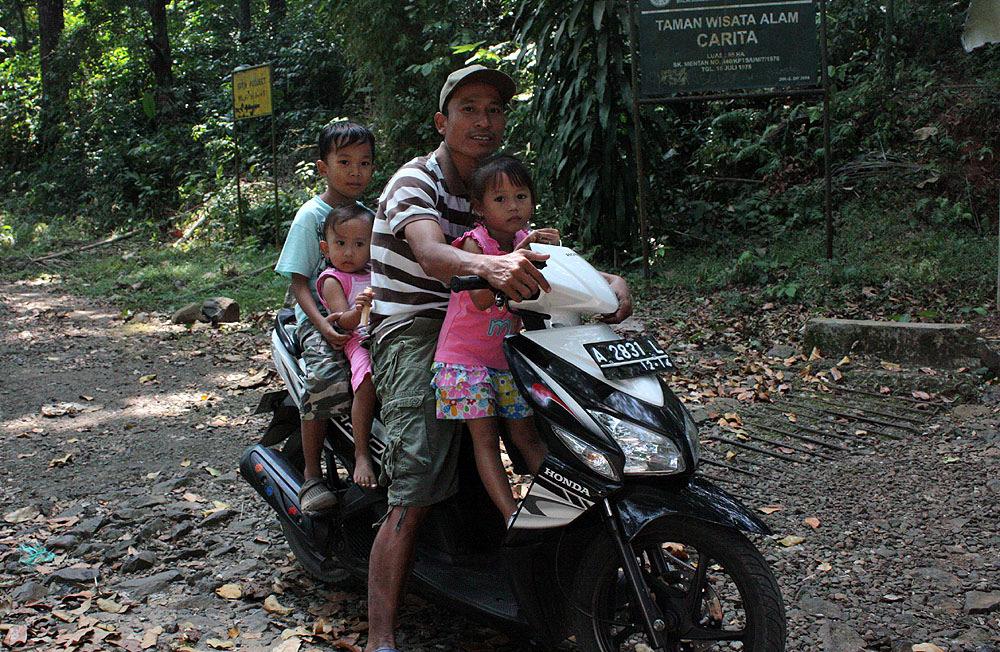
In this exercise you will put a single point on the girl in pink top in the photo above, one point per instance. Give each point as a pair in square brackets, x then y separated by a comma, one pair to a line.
[471, 378]
[346, 243]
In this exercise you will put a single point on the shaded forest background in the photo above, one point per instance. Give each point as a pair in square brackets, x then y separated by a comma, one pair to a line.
[117, 115]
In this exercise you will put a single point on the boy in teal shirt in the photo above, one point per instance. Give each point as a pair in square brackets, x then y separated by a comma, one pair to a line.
[346, 155]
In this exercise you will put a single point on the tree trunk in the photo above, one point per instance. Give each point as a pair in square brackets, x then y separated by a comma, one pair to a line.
[160, 62]
[276, 10]
[54, 88]
[24, 40]
[245, 18]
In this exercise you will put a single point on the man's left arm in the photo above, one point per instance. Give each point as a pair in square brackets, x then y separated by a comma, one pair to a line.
[620, 288]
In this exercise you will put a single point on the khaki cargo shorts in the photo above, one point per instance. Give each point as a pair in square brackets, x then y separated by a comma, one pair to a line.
[420, 461]
[328, 378]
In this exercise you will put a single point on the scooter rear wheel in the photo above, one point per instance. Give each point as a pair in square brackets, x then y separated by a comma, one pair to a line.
[711, 583]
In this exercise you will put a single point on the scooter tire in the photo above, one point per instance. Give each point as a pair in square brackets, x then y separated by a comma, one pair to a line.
[596, 613]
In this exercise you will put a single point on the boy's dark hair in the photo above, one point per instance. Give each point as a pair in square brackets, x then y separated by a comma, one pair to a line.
[493, 169]
[342, 214]
[342, 134]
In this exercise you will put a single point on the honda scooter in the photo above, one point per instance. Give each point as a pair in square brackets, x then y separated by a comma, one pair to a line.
[618, 544]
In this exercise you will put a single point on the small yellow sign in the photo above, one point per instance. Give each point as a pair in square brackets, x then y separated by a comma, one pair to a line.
[252, 92]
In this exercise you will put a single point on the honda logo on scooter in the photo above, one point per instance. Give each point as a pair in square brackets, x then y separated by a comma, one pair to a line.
[566, 482]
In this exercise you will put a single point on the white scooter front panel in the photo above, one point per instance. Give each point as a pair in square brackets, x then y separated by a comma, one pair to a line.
[567, 344]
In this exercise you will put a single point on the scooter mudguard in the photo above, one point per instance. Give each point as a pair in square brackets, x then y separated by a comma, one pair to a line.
[284, 417]
[640, 504]
[278, 483]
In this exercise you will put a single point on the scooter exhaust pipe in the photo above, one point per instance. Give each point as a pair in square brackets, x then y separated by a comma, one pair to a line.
[278, 483]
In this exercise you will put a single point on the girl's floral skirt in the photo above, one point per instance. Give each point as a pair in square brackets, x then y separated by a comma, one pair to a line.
[475, 392]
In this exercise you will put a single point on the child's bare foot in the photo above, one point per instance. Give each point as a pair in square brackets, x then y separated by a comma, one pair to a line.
[364, 474]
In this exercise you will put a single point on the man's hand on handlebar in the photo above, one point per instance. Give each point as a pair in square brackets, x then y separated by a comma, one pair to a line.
[515, 274]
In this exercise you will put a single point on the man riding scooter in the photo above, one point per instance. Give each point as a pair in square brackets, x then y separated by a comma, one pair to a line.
[422, 208]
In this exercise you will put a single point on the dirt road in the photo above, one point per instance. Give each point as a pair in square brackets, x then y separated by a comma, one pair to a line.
[126, 526]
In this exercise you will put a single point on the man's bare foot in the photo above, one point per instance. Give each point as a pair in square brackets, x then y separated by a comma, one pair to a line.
[364, 474]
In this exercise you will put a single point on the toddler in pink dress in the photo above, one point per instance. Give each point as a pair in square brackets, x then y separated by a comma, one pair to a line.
[471, 377]
[344, 290]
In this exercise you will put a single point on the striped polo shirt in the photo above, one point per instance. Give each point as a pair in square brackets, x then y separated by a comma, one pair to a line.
[426, 188]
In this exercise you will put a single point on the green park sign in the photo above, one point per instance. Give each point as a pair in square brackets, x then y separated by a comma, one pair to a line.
[719, 45]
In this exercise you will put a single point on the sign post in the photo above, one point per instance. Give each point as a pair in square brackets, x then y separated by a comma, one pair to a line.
[703, 50]
[252, 93]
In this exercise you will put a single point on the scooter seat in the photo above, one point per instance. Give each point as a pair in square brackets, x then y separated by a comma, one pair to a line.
[284, 326]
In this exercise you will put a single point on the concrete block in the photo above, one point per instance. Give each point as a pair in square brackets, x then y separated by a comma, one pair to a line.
[929, 344]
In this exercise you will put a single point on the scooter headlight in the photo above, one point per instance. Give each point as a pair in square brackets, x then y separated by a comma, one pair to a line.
[646, 452]
[593, 458]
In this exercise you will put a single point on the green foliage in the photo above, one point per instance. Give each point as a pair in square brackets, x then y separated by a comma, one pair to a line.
[738, 182]
[580, 118]
[418, 43]
[131, 153]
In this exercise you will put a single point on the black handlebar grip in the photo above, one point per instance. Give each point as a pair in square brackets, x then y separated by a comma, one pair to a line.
[465, 283]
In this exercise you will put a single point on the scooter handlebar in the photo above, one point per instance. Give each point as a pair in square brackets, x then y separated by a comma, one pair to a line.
[466, 283]
[472, 282]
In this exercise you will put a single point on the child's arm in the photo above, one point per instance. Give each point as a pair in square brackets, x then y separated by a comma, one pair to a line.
[351, 318]
[336, 300]
[541, 236]
[300, 288]
[481, 299]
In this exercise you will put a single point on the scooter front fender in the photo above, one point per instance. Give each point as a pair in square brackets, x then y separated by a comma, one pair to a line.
[640, 504]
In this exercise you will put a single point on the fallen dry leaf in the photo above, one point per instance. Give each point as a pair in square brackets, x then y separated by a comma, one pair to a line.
[23, 514]
[150, 636]
[291, 645]
[272, 605]
[61, 461]
[110, 606]
[836, 375]
[220, 644]
[296, 631]
[824, 567]
[770, 509]
[923, 396]
[16, 635]
[64, 616]
[791, 540]
[811, 521]
[148, 378]
[230, 591]
[815, 355]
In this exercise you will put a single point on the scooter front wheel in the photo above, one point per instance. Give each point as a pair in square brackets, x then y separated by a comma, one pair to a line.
[712, 585]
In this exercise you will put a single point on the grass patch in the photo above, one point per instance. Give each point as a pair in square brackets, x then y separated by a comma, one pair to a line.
[155, 276]
[892, 248]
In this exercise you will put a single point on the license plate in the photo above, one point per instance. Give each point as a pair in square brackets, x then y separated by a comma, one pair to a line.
[628, 358]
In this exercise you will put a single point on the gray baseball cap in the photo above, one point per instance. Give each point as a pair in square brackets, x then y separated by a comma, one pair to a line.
[477, 73]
